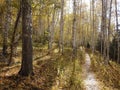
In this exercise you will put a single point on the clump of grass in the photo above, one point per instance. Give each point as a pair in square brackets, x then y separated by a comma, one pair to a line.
[69, 71]
[75, 82]
[108, 74]
[76, 78]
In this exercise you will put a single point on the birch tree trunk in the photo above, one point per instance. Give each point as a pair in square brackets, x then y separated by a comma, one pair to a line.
[118, 49]
[102, 30]
[74, 29]
[104, 26]
[109, 24]
[93, 27]
[61, 27]
[51, 30]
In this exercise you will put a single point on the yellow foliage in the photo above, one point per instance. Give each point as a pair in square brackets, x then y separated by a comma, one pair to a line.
[2, 1]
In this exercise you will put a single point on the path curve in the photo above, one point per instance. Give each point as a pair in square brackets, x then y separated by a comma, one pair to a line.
[90, 81]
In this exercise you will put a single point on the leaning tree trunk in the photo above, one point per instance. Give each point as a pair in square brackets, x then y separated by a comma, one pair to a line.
[27, 50]
[7, 26]
[13, 42]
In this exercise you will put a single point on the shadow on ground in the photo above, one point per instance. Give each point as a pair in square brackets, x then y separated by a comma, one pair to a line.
[45, 73]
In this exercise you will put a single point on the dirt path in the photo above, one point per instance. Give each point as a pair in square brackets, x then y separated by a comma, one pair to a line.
[90, 81]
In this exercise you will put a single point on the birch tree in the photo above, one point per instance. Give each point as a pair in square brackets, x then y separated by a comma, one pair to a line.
[74, 29]
[118, 49]
[61, 27]
[51, 30]
[104, 25]
[93, 25]
[109, 24]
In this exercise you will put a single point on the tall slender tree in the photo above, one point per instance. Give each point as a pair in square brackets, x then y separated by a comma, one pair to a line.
[102, 29]
[51, 29]
[118, 49]
[80, 20]
[109, 24]
[93, 26]
[61, 27]
[74, 29]
[104, 26]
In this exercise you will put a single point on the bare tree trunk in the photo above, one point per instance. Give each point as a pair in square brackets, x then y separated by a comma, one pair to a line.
[61, 27]
[51, 30]
[104, 28]
[93, 27]
[27, 50]
[40, 19]
[74, 29]
[101, 39]
[79, 22]
[7, 26]
[118, 49]
[91, 22]
[109, 24]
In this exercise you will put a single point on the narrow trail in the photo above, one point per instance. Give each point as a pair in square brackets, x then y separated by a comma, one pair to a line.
[90, 82]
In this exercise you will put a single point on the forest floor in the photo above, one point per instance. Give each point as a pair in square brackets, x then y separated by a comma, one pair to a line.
[108, 76]
[54, 71]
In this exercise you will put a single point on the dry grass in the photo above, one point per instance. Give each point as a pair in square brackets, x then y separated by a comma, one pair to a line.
[48, 68]
[107, 74]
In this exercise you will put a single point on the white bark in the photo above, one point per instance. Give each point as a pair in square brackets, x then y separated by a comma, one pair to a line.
[61, 27]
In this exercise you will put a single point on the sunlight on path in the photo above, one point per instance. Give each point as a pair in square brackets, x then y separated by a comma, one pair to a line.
[90, 82]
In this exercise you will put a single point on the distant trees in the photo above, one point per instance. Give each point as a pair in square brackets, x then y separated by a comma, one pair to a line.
[52, 22]
[56, 24]
[14, 42]
[6, 26]
[109, 35]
